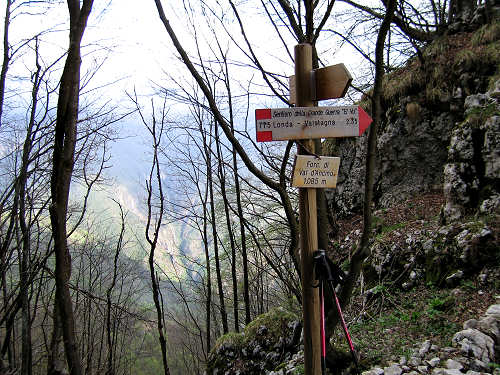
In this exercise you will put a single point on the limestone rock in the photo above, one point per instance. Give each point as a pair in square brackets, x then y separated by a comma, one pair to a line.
[475, 343]
[452, 364]
[393, 370]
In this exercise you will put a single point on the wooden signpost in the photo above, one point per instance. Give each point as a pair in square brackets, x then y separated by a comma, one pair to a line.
[310, 171]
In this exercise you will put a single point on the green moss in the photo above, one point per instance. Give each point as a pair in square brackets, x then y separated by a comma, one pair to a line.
[232, 338]
[299, 370]
[275, 320]
[477, 116]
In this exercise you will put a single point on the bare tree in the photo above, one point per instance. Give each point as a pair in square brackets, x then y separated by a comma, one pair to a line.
[156, 212]
[63, 161]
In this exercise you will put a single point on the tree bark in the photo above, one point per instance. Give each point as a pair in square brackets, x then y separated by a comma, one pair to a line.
[222, 307]
[6, 56]
[362, 251]
[62, 169]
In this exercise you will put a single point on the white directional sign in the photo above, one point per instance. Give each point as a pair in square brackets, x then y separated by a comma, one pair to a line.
[311, 171]
[281, 124]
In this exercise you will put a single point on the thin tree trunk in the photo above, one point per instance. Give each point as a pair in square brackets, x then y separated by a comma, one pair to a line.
[208, 302]
[155, 176]
[6, 56]
[111, 370]
[26, 352]
[222, 179]
[63, 162]
[362, 251]
[218, 273]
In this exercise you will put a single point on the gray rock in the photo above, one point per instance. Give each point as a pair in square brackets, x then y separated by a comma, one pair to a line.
[438, 371]
[451, 372]
[490, 205]
[422, 369]
[471, 323]
[451, 364]
[393, 370]
[414, 361]
[257, 351]
[434, 361]
[478, 365]
[490, 325]
[455, 277]
[475, 343]
[494, 311]
[476, 101]
[424, 349]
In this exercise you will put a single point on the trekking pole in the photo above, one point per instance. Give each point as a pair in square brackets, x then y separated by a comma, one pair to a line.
[326, 270]
[322, 327]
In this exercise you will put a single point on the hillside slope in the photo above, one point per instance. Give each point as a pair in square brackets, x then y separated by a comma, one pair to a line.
[435, 249]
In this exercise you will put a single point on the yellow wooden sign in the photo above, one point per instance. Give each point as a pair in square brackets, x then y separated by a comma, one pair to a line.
[318, 172]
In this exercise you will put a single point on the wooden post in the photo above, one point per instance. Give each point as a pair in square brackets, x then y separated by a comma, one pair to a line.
[308, 225]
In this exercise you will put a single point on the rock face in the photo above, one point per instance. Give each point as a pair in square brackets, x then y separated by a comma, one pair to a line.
[410, 159]
[436, 151]
[472, 173]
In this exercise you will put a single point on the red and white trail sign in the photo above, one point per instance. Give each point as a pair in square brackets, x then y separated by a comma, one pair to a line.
[281, 124]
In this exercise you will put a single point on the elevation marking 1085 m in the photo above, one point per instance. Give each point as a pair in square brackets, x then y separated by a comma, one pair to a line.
[282, 124]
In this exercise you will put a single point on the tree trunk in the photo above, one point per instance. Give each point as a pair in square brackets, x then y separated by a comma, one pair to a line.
[62, 169]
[218, 272]
[362, 251]
[6, 56]
[222, 179]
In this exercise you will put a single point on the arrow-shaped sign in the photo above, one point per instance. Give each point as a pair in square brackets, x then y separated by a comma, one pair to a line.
[281, 124]
[330, 82]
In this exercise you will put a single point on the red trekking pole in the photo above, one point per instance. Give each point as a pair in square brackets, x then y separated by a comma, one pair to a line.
[328, 271]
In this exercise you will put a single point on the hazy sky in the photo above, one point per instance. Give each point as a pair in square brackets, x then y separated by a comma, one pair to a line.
[128, 36]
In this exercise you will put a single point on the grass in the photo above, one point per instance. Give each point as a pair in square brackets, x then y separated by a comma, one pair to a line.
[395, 321]
[444, 60]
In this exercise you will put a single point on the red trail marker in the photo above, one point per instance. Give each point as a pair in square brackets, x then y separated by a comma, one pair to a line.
[281, 124]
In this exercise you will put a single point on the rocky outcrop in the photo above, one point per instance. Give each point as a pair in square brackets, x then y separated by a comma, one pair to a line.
[269, 341]
[475, 351]
[472, 173]
[440, 255]
[410, 159]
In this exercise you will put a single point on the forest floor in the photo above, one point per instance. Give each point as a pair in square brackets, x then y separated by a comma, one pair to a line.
[393, 321]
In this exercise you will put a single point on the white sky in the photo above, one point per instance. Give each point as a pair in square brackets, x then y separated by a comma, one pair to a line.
[138, 51]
